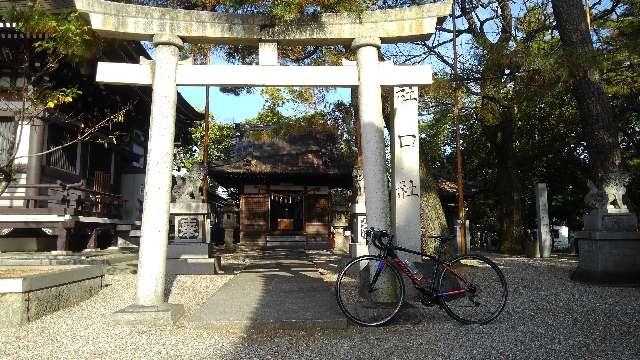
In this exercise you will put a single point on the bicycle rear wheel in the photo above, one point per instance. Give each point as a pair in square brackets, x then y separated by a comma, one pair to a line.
[367, 299]
[475, 288]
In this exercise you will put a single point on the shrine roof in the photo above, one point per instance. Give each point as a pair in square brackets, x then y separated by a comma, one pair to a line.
[294, 157]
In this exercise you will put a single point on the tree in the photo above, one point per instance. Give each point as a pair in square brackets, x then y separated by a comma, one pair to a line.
[599, 125]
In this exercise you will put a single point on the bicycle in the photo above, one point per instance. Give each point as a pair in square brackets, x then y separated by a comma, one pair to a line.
[370, 290]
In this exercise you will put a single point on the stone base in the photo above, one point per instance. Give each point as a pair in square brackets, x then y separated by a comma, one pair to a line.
[358, 249]
[61, 252]
[608, 258]
[191, 250]
[605, 220]
[341, 242]
[164, 314]
[210, 266]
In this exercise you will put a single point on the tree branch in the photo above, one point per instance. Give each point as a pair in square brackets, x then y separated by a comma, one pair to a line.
[83, 136]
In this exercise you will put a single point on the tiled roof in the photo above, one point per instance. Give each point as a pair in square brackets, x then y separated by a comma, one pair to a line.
[307, 155]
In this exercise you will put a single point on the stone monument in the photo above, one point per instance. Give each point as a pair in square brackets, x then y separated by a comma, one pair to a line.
[609, 245]
[405, 176]
[192, 233]
[229, 224]
[542, 221]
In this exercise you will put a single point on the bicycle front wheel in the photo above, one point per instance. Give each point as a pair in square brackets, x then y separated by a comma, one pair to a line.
[472, 289]
[369, 290]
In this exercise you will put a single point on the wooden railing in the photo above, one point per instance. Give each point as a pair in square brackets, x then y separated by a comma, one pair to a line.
[63, 159]
[62, 199]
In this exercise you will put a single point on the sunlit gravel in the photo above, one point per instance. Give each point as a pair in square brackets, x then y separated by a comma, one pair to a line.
[547, 317]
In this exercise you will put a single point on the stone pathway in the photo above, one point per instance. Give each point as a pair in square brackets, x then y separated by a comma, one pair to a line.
[277, 290]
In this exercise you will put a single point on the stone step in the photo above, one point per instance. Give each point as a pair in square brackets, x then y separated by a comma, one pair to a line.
[210, 266]
[298, 242]
[189, 250]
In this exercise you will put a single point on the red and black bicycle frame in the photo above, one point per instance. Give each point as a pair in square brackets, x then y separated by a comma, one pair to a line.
[438, 268]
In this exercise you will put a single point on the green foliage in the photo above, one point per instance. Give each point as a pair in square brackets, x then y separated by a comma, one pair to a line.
[66, 34]
[312, 114]
[220, 139]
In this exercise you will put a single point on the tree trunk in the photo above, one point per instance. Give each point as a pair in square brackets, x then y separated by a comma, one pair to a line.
[600, 129]
[509, 207]
[432, 219]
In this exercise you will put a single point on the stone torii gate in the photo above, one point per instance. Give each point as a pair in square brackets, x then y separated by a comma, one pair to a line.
[365, 32]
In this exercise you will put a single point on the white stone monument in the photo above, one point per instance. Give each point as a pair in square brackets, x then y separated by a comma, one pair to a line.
[405, 179]
[542, 221]
[191, 218]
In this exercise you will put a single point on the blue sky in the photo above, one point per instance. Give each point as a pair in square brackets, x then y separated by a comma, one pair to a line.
[225, 107]
[232, 109]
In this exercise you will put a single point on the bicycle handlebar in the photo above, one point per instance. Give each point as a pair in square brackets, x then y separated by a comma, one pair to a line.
[376, 237]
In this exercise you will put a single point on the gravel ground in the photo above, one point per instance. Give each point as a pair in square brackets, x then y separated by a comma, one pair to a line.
[547, 317]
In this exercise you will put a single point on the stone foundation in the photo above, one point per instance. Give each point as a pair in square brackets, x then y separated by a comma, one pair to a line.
[610, 258]
[30, 297]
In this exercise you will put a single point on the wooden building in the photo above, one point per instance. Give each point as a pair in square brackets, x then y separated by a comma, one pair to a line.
[284, 188]
[77, 189]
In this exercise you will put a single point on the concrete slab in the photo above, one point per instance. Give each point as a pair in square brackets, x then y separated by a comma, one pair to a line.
[209, 266]
[31, 292]
[278, 290]
[165, 314]
[53, 276]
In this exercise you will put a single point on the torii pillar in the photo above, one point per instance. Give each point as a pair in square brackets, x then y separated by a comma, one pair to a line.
[150, 305]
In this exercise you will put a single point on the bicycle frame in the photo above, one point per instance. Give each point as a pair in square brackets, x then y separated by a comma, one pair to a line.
[439, 267]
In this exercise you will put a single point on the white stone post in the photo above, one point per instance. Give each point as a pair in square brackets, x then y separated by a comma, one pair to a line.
[405, 162]
[150, 304]
[542, 216]
[376, 188]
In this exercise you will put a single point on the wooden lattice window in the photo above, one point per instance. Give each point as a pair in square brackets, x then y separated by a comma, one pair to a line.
[318, 209]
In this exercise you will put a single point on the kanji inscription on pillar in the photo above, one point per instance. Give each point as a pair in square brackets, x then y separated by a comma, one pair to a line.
[407, 189]
[406, 94]
[407, 140]
[405, 164]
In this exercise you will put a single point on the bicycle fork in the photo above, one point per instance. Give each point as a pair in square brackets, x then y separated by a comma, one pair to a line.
[376, 275]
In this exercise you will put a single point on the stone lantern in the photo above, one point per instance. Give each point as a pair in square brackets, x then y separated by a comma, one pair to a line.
[229, 224]
[340, 223]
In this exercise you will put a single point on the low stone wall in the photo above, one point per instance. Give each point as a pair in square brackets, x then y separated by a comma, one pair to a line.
[47, 290]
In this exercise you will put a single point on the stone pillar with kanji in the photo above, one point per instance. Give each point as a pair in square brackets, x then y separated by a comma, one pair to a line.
[405, 162]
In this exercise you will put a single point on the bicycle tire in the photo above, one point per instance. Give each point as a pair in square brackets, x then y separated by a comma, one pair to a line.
[485, 291]
[359, 305]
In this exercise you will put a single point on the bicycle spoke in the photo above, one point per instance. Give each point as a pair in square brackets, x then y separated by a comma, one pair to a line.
[485, 290]
[358, 302]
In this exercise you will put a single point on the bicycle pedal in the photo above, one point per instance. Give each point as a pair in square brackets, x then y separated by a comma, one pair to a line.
[429, 302]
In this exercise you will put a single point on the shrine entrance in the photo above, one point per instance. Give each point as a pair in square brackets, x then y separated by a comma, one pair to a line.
[363, 33]
[286, 214]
